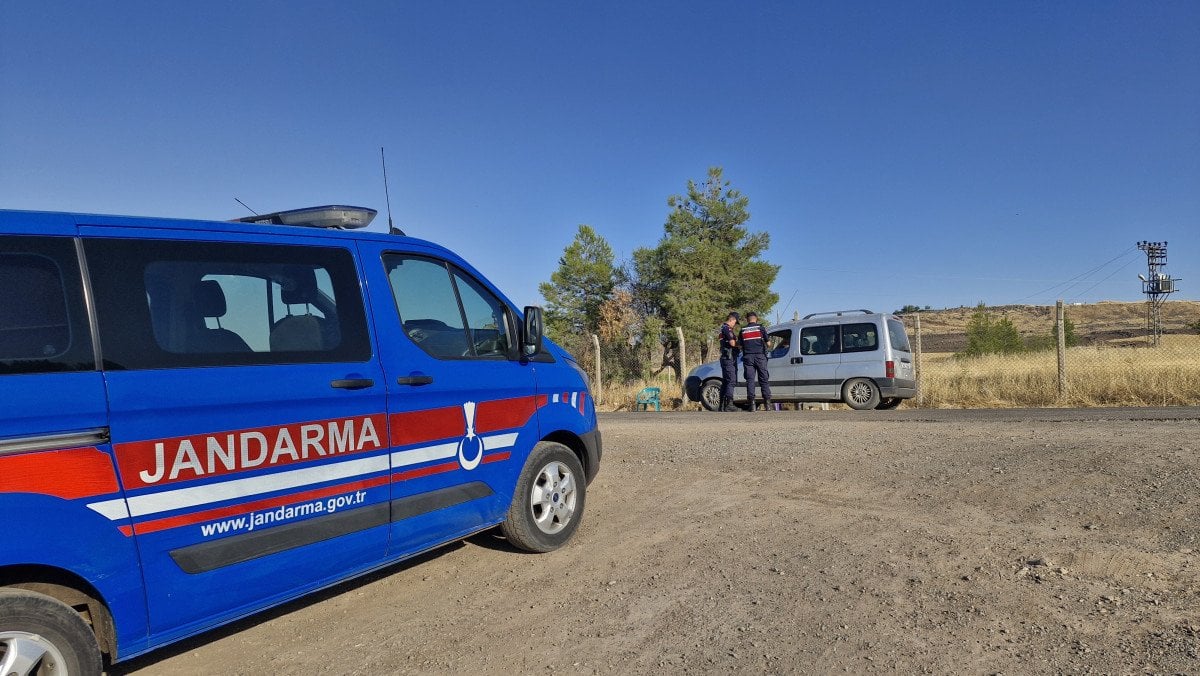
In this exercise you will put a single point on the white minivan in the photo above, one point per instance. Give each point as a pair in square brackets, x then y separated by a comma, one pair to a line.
[857, 357]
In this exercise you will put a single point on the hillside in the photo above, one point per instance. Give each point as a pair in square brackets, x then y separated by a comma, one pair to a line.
[1106, 322]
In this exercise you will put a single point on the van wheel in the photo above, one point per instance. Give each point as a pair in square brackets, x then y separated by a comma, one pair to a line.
[860, 394]
[710, 395]
[548, 502]
[41, 636]
[888, 404]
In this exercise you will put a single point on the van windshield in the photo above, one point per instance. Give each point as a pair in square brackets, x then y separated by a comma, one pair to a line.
[897, 336]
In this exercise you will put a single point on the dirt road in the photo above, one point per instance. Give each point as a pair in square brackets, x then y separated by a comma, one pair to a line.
[800, 541]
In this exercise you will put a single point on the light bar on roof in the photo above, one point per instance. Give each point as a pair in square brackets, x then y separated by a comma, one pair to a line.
[337, 216]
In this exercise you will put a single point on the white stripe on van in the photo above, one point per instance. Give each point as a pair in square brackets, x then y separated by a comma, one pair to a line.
[194, 496]
[424, 454]
[141, 505]
[113, 509]
[498, 441]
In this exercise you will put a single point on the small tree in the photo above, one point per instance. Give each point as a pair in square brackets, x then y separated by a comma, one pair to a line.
[1069, 337]
[1049, 341]
[988, 335]
[582, 283]
[618, 330]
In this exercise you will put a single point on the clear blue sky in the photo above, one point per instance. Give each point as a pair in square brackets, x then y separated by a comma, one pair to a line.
[927, 153]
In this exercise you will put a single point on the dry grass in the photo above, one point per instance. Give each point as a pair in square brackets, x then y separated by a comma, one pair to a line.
[1096, 376]
[623, 397]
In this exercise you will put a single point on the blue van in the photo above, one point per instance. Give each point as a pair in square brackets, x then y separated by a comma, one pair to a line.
[205, 419]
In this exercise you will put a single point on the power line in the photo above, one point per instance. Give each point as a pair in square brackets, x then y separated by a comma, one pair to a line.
[1072, 281]
[1114, 272]
[926, 275]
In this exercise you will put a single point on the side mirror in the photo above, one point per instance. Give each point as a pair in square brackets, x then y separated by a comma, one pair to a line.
[532, 331]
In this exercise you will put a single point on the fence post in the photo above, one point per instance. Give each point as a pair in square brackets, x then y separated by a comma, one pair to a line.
[682, 363]
[596, 390]
[920, 390]
[1062, 349]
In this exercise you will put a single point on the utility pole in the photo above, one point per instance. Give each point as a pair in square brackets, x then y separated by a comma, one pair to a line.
[682, 362]
[1060, 331]
[1157, 285]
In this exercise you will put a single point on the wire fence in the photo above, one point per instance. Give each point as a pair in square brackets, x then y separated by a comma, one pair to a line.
[1109, 356]
[985, 356]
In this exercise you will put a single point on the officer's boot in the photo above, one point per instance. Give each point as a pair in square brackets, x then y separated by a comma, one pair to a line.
[752, 407]
[722, 405]
[768, 405]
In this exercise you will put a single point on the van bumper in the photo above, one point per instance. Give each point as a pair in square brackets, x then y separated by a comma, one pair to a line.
[692, 387]
[594, 447]
[897, 387]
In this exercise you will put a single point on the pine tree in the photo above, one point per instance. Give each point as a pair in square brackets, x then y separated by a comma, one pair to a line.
[707, 262]
[584, 280]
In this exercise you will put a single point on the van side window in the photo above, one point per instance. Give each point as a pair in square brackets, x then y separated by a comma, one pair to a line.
[445, 312]
[487, 318]
[779, 343]
[816, 340]
[171, 304]
[43, 320]
[860, 337]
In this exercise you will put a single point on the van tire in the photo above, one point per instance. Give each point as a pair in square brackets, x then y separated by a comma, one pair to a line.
[547, 505]
[48, 631]
[710, 394]
[888, 403]
[860, 394]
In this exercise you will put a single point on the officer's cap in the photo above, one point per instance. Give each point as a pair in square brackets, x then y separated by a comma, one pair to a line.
[734, 316]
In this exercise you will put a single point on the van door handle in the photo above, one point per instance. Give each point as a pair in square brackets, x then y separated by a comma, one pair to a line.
[352, 383]
[414, 380]
[797, 360]
[905, 360]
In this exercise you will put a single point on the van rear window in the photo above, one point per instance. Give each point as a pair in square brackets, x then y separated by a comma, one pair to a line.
[897, 336]
[43, 325]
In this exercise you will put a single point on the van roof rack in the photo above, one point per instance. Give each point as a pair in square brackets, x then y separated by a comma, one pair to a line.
[337, 216]
[838, 313]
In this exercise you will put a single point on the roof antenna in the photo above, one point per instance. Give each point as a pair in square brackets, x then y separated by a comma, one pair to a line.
[392, 230]
[244, 204]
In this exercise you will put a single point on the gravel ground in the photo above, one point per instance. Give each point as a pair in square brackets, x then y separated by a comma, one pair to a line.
[811, 541]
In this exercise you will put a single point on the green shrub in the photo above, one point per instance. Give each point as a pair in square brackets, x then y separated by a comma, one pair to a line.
[988, 335]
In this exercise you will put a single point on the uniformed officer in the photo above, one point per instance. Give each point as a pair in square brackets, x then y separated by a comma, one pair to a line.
[729, 355]
[753, 338]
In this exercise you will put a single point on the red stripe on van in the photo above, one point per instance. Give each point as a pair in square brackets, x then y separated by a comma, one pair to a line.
[447, 467]
[156, 525]
[68, 474]
[497, 457]
[504, 414]
[425, 471]
[415, 427]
